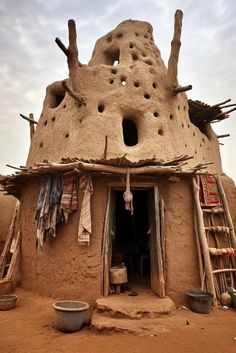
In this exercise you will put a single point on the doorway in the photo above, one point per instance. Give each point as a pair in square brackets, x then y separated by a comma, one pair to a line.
[131, 243]
[136, 240]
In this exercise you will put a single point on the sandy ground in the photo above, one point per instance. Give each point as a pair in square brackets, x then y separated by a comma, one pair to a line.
[28, 329]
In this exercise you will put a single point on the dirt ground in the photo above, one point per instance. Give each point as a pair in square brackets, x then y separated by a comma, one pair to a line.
[28, 329]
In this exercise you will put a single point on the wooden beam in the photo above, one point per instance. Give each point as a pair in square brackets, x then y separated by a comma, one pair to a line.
[180, 89]
[224, 270]
[62, 46]
[224, 135]
[73, 94]
[32, 130]
[172, 71]
[29, 119]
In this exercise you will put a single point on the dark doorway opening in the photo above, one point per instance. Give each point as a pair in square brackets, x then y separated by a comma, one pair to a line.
[131, 243]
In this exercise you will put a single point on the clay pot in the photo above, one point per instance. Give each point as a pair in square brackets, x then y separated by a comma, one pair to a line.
[225, 299]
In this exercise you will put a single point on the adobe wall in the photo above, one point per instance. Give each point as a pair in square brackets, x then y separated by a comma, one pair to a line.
[136, 89]
[65, 269]
[7, 206]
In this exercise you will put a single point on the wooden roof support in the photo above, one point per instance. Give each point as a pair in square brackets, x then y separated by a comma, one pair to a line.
[172, 71]
[180, 89]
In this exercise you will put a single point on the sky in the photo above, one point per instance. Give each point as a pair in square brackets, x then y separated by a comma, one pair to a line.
[30, 59]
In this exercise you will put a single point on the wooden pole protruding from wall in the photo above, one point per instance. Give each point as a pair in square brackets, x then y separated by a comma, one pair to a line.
[32, 122]
[73, 53]
[172, 71]
[180, 89]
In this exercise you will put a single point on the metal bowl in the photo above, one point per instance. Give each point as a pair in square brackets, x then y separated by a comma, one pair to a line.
[7, 302]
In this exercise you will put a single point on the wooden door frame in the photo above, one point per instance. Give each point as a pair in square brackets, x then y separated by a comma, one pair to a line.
[113, 187]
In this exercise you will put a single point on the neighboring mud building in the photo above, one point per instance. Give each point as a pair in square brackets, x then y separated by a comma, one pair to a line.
[120, 124]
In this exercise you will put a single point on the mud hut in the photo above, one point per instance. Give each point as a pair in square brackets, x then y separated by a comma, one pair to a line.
[130, 172]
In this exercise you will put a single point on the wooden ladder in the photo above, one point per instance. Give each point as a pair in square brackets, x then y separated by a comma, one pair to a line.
[11, 250]
[216, 243]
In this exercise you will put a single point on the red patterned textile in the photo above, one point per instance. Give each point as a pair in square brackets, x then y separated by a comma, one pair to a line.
[208, 191]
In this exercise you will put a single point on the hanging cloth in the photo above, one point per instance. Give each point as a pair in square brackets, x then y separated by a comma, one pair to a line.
[84, 231]
[208, 192]
[48, 212]
[69, 199]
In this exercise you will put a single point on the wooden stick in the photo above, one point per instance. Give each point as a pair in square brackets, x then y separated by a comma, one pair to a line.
[218, 104]
[14, 258]
[73, 94]
[62, 46]
[218, 116]
[203, 241]
[200, 263]
[32, 130]
[73, 61]
[224, 270]
[105, 148]
[7, 245]
[29, 119]
[228, 105]
[180, 89]
[172, 71]
[226, 208]
[221, 136]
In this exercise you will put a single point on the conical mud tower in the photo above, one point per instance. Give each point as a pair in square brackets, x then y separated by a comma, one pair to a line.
[123, 168]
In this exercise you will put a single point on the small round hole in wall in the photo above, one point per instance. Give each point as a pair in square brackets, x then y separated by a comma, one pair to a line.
[134, 57]
[109, 39]
[66, 136]
[41, 144]
[144, 54]
[186, 145]
[203, 140]
[193, 133]
[195, 152]
[147, 96]
[111, 81]
[53, 119]
[45, 122]
[188, 126]
[148, 62]
[136, 33]
[101, 108]
[114, 71]
[171, 117]
[160, 132]
[119, 35]
[64, 106]
[131, 45]
[182, 125]
[136, 84]
[156, 114]
[178, 107]
[154, 85]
